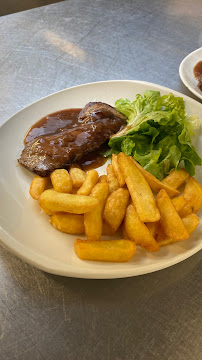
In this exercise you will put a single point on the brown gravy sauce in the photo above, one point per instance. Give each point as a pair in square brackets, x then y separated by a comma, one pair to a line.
[198, 74]
[58, 122]
[198, 69]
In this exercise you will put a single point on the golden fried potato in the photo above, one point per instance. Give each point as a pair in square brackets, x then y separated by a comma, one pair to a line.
[124, 232]
[107, 229]
[193, 193]
[170, 220]
[115, 207]
[55, 202]
[103, 179]
[117, 170]
[112, 179]
[152, 227]
[105, 250]
[176, 178]
[138, 231]
[68, 223]
[139, 189]
[38, 186]
[61, 181]
[90, 181]
[166, 240]
[93, 219]
[186, 210]
[46, 211]
[154, 183]
[179, 203]
[190, 222]
[77, 176]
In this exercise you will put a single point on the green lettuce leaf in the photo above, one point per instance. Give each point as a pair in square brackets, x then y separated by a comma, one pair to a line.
[158, 133]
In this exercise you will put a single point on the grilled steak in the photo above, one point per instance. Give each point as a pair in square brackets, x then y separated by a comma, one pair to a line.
[46, 153]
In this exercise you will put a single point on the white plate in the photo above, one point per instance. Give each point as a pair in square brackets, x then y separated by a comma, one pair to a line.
[186, 71]
[26, 231]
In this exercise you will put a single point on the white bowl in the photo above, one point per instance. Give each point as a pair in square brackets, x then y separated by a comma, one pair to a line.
[186, 71]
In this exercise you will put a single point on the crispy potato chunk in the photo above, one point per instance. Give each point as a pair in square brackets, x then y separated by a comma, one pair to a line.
[77, 176]
[186, 210]
[115, 207]
[138, 231]
[46, 211]
[68, 223]
[103, 179]
[112, 179]
[170, 220]
[152, 227]
[107, 229]
[55, 202]
[190, 222]
[176, 178]
[93, 219]
[124, 232]
[154, 183]
[117, 170]
[90, 181]
[38, 186]
[179, 203]
[193, 193]
[61, 181]
[105, 250]
[139, 189]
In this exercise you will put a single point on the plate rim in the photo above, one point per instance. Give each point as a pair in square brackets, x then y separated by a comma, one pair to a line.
[185, 82]
[114, 274]
[32, 257]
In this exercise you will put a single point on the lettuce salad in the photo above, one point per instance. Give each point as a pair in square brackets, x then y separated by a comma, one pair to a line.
[158, 133]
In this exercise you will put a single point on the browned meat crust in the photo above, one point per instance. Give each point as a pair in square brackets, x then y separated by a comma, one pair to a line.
[49, 152]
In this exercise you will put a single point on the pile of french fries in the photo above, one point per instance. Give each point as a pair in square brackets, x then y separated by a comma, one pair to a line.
[122, 200]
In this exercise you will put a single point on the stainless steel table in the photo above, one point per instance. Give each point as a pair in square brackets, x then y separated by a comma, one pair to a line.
[156, 316]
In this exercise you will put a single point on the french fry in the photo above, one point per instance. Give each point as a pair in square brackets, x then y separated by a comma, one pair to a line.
[124, 232]
[103, 179]
[193, 193]
[190, 222]
[46, 211]
[179, 203]
[90, 181]
[186, 210]
[74, 190]
[55, 202]
[93, 219]
[166, 240]
[77, 176]
[152, 227]
[170, 220]
[111, 179]
[68, 223]
[139, 189]
[38, 186]
[154, 183]
[138, 231]
[61, 181]
[107, 229]
[176, 178]
[106, 250]
[117, 170]
[115, 207]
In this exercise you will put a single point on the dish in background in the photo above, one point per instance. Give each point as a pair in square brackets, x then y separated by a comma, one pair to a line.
[25, 230]
[186, 71]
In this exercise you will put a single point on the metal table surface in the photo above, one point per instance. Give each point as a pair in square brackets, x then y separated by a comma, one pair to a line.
[42, 316]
